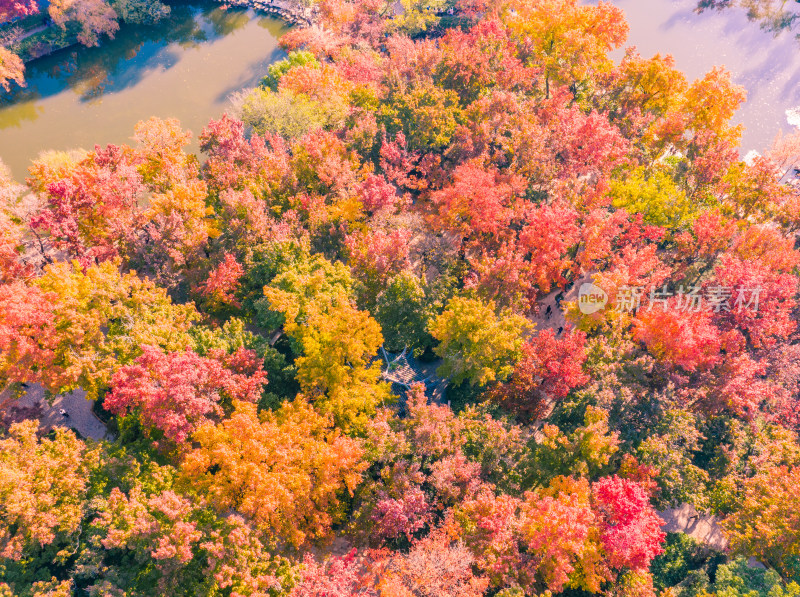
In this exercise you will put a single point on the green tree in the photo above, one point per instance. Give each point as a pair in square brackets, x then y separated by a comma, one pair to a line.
[767, 525]
[278, 69]
[656, 196]
[586, 452]
[141, 11]
[685, 563]
[476, 344]
[671, 445]
[287, 114]
[427, 115]
[418, 16]
[739, 579]
[403, 311]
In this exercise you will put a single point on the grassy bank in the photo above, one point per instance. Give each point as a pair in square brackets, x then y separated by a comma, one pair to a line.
[35, 36]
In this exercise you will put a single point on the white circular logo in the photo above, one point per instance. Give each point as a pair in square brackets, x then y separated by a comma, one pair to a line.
[591, 298]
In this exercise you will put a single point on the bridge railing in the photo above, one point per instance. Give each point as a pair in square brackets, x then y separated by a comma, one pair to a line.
[289, 11]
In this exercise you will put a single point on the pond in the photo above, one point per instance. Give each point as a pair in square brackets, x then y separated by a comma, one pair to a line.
[186, 68]
[767, 66]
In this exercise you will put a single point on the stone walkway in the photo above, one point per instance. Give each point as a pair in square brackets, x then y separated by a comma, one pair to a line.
[702, 527]
[78, 408]
[556, 320]
[683, 519]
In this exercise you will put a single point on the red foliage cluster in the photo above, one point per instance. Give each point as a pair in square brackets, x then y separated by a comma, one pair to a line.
[178, 392]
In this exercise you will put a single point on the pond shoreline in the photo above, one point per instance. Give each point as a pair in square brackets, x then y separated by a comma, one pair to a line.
[288, 11]
[185, 68]
[51, 50]
[766, 65]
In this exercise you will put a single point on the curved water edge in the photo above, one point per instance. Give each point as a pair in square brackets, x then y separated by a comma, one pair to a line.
[185, 67]
[766, 65]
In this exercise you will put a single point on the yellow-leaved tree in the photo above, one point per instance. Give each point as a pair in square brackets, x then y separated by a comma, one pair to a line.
[336, 342]
[73, 328]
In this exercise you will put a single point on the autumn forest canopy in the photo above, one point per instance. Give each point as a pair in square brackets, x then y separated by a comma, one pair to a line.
[592, 297]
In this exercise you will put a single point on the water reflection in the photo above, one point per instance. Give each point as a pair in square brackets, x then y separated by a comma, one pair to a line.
[184, 67]
[774, 16]
[765, 64]
[20, 113]
[225, 22]
[126, 60]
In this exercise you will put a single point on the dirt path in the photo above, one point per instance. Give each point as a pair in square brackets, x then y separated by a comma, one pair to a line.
[30, 32]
